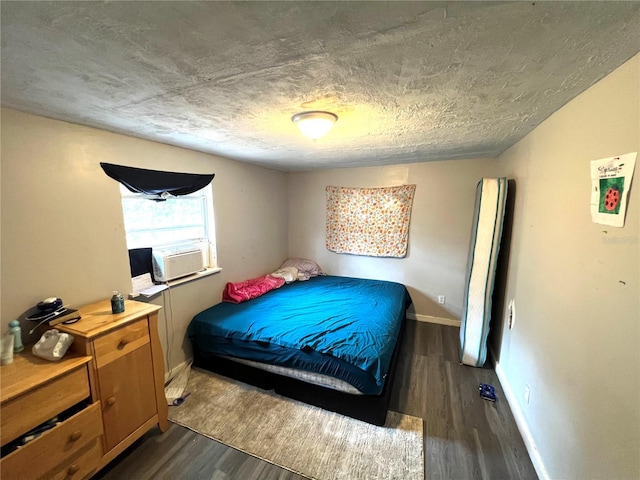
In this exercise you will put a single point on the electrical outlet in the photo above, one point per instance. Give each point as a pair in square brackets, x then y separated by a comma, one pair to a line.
[442, 299]
[527, 394]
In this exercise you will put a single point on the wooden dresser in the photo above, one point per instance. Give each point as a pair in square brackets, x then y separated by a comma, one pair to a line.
[114, 371]
[35, 390]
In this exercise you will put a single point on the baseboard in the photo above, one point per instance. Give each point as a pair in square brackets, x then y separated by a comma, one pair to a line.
[522, 424]
[171, 373]
[429, 319]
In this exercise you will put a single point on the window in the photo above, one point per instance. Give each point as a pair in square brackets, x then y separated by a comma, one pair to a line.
[179, 220]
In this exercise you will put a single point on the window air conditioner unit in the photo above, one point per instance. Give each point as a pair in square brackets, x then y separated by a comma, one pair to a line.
[170, 263]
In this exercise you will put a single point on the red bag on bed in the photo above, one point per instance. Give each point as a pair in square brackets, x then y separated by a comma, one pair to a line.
[243, 291]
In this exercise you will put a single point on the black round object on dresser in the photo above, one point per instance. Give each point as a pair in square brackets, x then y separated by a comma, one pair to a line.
[50, 304]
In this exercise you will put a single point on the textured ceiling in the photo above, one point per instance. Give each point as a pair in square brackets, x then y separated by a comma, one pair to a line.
[410, 81]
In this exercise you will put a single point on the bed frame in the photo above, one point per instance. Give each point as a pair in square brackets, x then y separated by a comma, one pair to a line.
[368, 408]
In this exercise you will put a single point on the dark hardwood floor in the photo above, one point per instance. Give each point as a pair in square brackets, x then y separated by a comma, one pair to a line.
[465, 437]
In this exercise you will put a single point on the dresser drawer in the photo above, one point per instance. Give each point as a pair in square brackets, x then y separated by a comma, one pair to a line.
[120, 342]
[36, 406]
[70, 451]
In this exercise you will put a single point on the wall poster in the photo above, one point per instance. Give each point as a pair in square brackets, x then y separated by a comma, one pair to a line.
[610, 183]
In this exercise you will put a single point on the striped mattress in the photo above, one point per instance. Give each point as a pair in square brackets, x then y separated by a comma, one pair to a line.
[491, 195]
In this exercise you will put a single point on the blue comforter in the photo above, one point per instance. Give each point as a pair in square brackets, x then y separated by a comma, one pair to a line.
[338, 326]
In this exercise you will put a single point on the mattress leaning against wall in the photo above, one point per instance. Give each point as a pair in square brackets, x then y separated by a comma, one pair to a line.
[486, 234]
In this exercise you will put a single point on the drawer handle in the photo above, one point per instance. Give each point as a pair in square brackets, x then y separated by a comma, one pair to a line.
[123, 343]
[73, 469]
[111, 401]
[75, 436]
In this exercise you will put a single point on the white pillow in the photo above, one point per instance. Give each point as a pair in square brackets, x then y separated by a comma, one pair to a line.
[306, 268]
[290, 274]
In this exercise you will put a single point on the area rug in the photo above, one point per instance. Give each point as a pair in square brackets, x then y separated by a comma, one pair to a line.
[306, 440]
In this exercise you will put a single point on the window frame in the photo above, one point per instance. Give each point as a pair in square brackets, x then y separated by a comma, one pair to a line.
[206, 244]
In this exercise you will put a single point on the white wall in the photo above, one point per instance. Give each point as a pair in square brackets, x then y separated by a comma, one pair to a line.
[63, 230]
[576, 287]
[438, 235]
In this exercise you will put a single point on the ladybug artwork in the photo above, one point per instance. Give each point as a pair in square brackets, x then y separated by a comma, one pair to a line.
[611, 198]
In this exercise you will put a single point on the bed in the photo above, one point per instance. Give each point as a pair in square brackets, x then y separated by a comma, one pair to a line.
[329, 341]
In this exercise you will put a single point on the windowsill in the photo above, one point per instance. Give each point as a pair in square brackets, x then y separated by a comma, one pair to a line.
[194, 276]
[178, 281]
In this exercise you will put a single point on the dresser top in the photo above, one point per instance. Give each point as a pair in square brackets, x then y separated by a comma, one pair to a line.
[28, 372]
[97, 318]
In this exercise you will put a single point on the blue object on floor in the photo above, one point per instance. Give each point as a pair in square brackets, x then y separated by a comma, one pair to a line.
[488, 392]
[180, 400]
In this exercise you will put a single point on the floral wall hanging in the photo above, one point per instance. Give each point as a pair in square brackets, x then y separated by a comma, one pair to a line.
[369, 221]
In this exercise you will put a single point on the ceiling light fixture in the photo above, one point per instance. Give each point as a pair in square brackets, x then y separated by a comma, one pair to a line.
[314, 124]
